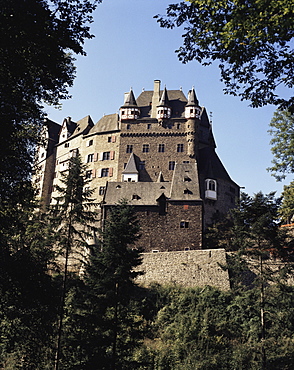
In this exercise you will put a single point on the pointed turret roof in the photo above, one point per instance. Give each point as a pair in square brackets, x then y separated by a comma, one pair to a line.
[131, 165]
[164, 101]
[192, 99]
[130, 100]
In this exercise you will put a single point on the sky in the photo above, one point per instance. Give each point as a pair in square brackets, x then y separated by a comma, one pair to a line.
[130, 50]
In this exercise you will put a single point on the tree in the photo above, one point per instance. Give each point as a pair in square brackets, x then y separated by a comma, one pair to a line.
[286, 210]
[251, 39]
[28, 292]
[103, 309]
[282, 131]
[73, 219]
[259, 236]
[208, 329]
[38, 38]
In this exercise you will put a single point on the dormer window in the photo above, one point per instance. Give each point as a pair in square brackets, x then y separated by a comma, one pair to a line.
[210, 189]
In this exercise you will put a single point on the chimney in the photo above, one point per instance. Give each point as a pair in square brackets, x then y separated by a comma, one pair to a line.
[155, 97]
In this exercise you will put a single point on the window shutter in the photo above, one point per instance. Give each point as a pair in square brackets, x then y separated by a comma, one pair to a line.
[112, 154]
[86, 158]
[99, 172]
[96, 157]
[93, 173]
[101, 156]
[110, 171]
[113, 139]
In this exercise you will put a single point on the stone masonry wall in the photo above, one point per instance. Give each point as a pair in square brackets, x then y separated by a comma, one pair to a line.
[194, 268]
[163, 232]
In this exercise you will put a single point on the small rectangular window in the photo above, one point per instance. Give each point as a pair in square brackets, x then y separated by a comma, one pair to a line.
[90, 158]
[66, 145]
[145, 148]
[171, 165]
[180, 148]
[184, 225]
[129, 149]
[142, 165]
[90, 142]
[106, 156]
[109, 139]
[101, 190]
[161, 148]
[148, 126]
[104, 172]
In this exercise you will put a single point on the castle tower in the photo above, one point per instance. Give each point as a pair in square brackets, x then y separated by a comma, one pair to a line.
[192, 114]
[129, 111]
[163, 111]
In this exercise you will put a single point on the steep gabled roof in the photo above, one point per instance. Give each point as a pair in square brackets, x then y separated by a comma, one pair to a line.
[177, 102]
[136, 193]
[83, 126]
[185, 182]
[110, 122]
[210, 166]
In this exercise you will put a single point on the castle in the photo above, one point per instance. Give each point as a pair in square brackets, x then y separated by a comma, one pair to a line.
[158, 153]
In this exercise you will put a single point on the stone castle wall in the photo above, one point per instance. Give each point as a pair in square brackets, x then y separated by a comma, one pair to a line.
[187, 268]
[163, 232]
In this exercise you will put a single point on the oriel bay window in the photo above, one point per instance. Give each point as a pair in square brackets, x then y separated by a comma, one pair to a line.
[211, 189]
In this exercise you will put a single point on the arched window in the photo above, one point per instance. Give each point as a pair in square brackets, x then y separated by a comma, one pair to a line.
[210, 189]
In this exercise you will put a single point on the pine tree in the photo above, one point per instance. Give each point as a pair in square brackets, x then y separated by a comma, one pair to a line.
[105, 310]
[73, 219]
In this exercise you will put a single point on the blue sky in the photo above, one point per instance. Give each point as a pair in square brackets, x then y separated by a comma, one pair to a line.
[131, 50]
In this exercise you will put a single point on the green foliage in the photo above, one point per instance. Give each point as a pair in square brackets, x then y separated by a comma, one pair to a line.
[73, 215]
[103, 321]
[209, 329]
[282, 142]
[37, 39]
[251, 39]
[28, 293]
[286, 210]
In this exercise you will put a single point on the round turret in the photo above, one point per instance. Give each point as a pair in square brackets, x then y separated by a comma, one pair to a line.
[163, 110]
[192, 110]
[129, 111]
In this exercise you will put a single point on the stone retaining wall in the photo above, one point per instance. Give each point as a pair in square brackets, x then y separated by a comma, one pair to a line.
[187, 268]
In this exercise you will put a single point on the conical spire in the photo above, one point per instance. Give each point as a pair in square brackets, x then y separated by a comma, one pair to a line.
[192, 99]
[130, 173]
[131, 165]
[164, 102]
[130, 100]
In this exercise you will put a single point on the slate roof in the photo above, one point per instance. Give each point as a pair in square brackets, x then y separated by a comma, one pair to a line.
[136, 193]
[83, 126]
[130, 100]
[192, 100]
[164, 101]
[131, 165]
[177, 102]
[184, 186]
[107, 123]
[185, 182]
[210, 166]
